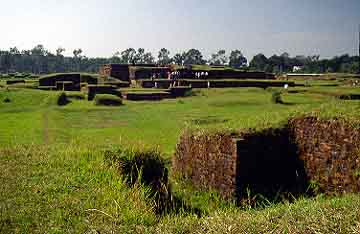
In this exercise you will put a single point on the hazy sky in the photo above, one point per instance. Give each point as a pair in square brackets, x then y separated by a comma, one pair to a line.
[100, 28]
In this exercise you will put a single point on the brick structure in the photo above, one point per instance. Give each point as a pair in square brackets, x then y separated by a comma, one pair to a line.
[118, 71]
[189, 73]
[148, 72]
[209, 161]
[66, 81]
[330, 150]
[323, 155]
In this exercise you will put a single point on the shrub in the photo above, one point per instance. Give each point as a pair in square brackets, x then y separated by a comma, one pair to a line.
[276, 97]
[62, 99]
[108, 100]
[145, 167]
[139, 166]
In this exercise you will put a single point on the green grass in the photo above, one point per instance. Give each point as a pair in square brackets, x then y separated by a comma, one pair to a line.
[54, 179]
[148, 123]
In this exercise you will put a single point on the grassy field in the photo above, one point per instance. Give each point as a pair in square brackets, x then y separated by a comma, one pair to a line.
[54, 180]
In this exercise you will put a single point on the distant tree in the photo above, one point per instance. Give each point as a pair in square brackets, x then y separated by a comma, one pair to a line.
[77, 53]
[5, 61]
[237, 59]
[59, 51]
[14, 51]
[139, 55]
[39, 50]
[77, 57]
[194, 56]
[116, 58]
[164, 57]
[143, 57]
[41, 60]
[259, 62]
[26, 52]
[179, 58]
[128, 55]
[219, 58]
[148, 58]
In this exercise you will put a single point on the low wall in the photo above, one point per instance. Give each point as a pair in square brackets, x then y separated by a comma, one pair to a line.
[330, 150]
[208, 161]
[233, 83]
[162, 84]
[226, 74]
[10, 82]
[323, 155]
[51, 80]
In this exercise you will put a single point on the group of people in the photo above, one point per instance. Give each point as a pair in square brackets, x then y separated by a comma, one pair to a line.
[201, 75]
[174, 75]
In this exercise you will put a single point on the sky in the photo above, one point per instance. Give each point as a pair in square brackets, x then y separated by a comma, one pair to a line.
[102, 27]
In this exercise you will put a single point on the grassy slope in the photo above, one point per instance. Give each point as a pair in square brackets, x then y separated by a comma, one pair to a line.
[67, 188]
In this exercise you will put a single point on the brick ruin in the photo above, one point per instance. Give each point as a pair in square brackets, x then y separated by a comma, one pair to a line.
[330, 150]
[66, 81]
[311, 153]
[189, 73]
[127, 72]
[119, 71]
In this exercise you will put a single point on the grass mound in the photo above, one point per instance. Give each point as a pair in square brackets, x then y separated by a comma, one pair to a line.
[62, 99]
[276, 97]
[107, 100]
[76, 95]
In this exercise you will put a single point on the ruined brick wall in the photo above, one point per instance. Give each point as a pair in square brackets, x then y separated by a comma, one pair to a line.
[330, 150]
[160, 72]
[209, 161]
[308, 153]
[160, 83]
[118, 71]
[226, 74]
[262, 162]
[51, 80]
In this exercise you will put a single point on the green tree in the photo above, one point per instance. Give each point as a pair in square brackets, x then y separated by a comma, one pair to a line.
[179, 58]
[219, 58]
[259, 62]
[77, 58]
[128, 55]
[237, 59]
[194, 56]
[164, 57]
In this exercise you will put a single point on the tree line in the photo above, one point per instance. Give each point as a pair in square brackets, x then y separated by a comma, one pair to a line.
[39, 60]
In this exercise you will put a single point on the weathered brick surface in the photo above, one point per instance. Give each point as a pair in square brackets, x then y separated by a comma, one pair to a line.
[208, 161]
[330, 150]
[309, 151]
